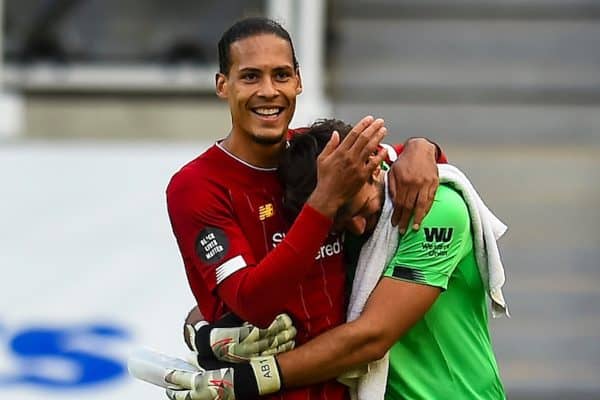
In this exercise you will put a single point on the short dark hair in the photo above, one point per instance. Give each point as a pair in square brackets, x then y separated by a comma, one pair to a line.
[246, 28]
[298, 167]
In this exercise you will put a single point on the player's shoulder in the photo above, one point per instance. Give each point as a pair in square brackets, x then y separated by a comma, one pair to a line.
[448, 208]
[194, 174]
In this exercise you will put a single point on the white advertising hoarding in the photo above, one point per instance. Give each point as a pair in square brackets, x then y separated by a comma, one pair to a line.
[90, 268]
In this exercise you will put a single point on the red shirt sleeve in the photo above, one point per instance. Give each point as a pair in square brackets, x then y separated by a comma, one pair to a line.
[258, 293]
[212, 243]
[442, 159]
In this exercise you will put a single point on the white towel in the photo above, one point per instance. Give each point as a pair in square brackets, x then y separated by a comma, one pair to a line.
[487, 229]
[377, 252]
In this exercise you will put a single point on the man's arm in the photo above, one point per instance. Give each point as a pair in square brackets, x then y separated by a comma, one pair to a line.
[238, 278]
[394, 306]
[412, 281]
[325, 357]
[342, 168]
[414, 180]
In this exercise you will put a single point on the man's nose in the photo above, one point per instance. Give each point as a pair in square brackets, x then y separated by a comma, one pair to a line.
[267, 88]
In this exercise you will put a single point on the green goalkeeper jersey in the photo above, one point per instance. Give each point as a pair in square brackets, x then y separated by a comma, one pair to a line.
[448, 353]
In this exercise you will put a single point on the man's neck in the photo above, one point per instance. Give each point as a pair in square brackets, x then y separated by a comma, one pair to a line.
[256, 154]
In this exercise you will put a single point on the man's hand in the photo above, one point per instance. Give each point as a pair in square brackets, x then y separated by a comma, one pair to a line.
[203, 385]
[413, 182]
[193, 322]
[231, 341]
[260, 376]
[242, 343]
[343, 168]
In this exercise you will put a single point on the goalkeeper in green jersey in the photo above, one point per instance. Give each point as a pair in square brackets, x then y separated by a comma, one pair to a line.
[429, 308]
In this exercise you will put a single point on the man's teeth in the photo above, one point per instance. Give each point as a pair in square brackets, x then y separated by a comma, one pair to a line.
[267, 111]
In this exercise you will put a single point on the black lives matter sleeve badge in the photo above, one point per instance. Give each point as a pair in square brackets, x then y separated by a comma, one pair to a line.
[211, 245]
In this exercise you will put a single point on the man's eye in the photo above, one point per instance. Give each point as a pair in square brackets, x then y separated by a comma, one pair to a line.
[282, 76]
[250, 77]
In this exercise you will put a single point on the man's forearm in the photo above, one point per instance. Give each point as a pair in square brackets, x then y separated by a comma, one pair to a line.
[363, 340]
[331, 354]
[280, 271]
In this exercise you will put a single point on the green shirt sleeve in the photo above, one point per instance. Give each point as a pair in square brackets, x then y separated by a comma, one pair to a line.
[430, 255]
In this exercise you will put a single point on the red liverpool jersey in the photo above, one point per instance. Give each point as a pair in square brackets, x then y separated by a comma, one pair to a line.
[241, 254]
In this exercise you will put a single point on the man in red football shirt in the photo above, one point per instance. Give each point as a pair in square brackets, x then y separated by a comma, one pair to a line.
[240, 253]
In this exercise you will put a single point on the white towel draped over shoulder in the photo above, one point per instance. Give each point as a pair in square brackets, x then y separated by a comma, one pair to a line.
[381, 246]
[487, 229]
[374, 256]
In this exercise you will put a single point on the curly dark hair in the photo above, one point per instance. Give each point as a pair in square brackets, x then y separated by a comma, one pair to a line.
[298, 166]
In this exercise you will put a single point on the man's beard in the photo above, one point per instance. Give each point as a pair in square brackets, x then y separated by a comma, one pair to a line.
[267, 141]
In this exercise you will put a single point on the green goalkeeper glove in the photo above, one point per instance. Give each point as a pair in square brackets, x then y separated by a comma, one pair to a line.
[203, 385]
[260, 376]
[239, 344]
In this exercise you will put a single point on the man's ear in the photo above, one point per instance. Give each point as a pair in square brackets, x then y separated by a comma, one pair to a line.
[299, 85]
[221, 86]
[376, 172]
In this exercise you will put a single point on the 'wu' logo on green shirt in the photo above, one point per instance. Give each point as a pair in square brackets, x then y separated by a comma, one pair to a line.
[438, 234]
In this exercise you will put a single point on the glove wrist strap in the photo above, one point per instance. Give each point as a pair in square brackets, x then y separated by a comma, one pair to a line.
[202, 342]
[266, 371]
[259, 377]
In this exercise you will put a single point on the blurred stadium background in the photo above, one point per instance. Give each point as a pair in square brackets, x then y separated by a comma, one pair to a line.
[102, 100]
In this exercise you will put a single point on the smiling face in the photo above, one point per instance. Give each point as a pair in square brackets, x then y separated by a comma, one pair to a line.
[261, 88]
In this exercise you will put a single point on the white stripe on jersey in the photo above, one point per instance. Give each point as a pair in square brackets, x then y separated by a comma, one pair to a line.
[229, 267]
[247, 164]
